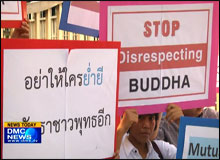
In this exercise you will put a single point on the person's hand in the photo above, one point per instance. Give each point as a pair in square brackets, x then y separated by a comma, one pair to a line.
[130, 116]
[174, 112]
[22, 32]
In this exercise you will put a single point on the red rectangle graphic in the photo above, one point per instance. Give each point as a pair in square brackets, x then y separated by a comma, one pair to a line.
[163, 57]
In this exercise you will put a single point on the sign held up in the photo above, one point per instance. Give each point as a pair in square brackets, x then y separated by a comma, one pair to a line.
[71, 89]
[168, 52]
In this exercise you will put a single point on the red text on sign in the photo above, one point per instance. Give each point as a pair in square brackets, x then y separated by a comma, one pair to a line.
[167, 28]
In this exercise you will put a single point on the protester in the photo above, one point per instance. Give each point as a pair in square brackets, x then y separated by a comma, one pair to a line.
[169, 126]
[22, 32]
[133, 138]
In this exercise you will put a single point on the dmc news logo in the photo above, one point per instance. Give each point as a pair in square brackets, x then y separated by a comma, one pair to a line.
[22, 132]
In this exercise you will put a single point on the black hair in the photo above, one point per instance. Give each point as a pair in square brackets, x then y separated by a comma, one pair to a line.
[156, 119]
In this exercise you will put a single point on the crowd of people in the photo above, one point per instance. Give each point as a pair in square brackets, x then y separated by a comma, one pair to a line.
[149, 136]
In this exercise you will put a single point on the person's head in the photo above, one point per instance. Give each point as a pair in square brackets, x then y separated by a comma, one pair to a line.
[195, 112]
[142, 131]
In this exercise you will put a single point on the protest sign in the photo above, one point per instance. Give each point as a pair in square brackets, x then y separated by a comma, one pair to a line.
[12, 13]
[198, 138]
[80, 17]
[68, 86]
[168, 52]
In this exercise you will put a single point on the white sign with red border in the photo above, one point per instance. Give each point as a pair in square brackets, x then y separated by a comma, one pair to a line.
[12, 13]
[165, 54]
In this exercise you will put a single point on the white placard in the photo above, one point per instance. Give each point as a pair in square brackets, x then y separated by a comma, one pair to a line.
[11, 10]
[50, 86]
[162, 40]
[201, 142]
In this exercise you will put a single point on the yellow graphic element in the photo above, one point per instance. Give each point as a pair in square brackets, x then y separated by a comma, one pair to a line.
[22, 124]
[217, 102]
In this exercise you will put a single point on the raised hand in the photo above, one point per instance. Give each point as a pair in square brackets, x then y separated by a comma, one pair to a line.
[174, 112]
[22, 32]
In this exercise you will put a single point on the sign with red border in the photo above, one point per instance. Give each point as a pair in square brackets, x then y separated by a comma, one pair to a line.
[168, 52]
[12, 13]
[71, 87]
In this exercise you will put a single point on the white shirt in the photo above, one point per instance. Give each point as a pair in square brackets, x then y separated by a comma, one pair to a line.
[128, 151]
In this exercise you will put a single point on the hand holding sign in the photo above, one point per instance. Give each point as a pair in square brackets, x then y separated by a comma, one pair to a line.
[22, 32]
[130, 116]
[174, 112]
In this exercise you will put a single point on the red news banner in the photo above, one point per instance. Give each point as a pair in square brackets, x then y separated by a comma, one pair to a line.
[168, 53]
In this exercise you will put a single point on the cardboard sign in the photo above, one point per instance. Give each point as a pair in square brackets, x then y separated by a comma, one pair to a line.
[68, 86]
[12, 13]
[80, 17]
[198, 138]
[168, 55]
